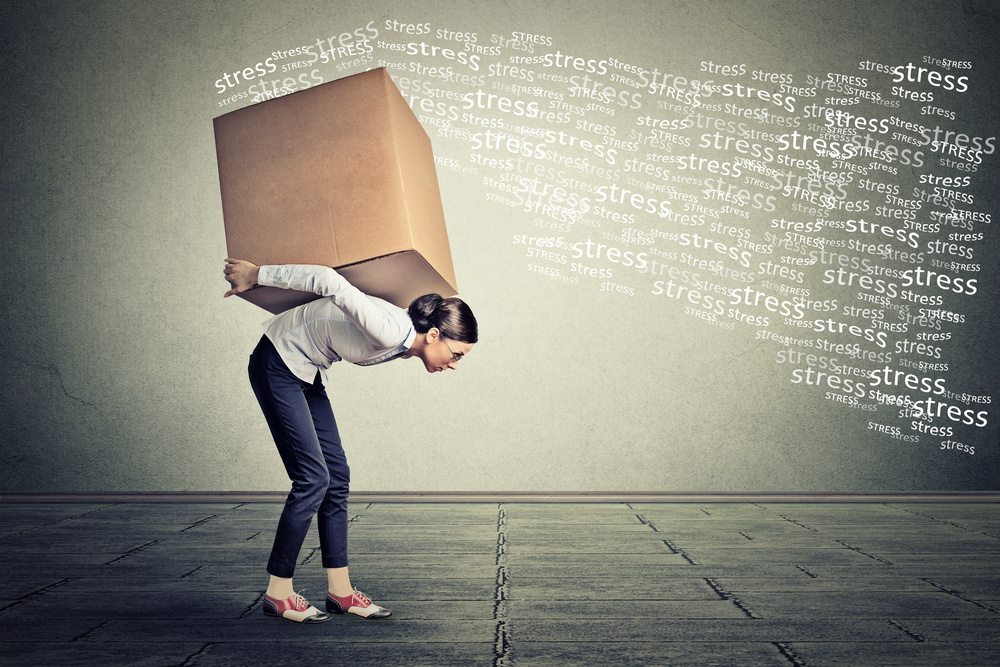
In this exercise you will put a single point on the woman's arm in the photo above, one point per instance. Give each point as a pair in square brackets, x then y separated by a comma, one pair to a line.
[377, 325]
[241, 274]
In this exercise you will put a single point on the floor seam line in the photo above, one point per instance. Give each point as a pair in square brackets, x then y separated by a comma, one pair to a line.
[678, 551]
[916, 635]
[730, 597]
[797, 523]
[808, 573]
[58, 521]
[857, 550]
[959, 596]
[91, 631]
[502, 642]
[27, 597]
[199, 522]
[646, 522]
[132, 552]
[785, 650]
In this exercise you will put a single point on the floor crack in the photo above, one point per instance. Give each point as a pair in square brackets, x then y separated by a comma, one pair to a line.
[253, 605]
[202, 651]
[312, 554]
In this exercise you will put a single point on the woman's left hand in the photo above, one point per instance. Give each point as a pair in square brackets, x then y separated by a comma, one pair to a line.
[241, 274]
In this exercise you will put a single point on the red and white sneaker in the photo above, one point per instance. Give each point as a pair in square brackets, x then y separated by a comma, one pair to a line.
[294, 608]
[356, 603]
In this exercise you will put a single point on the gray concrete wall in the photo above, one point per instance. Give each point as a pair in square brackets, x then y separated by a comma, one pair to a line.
[124, 369]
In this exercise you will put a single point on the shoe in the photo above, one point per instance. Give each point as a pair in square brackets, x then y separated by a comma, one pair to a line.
[294, 608]
[358, 603]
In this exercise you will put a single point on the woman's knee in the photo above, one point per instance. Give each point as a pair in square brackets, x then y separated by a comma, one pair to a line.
[340, 482]
[310, 492]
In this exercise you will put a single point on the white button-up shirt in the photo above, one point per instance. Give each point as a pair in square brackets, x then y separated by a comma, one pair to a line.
[346, 324]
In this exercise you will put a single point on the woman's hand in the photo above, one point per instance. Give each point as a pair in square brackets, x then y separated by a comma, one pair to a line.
[241, 274]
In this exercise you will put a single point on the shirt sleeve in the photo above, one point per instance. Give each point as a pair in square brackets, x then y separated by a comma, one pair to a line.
[371, 317]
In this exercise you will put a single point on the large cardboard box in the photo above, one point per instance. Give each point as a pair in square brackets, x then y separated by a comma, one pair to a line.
[342, 175]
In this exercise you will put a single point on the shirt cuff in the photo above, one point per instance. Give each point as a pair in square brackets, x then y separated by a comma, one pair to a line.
[265, 275]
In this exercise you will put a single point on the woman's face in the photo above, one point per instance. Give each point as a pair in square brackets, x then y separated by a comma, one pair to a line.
[441, 353]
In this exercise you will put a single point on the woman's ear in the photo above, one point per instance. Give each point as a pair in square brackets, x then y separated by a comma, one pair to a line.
[432, 334]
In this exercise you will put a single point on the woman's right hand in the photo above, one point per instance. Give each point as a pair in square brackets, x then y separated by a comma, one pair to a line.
[241, 274]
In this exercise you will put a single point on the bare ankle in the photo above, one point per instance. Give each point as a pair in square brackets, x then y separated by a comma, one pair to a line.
[280, 588]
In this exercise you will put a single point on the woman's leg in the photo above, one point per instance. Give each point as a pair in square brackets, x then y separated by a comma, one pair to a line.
[332, 518]
[282, 398]
[338, 581]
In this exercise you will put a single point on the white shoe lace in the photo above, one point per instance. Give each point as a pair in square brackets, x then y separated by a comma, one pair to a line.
[360, 597]
[299, 603]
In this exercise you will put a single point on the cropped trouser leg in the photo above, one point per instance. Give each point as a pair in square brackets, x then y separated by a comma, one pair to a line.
[305, 432]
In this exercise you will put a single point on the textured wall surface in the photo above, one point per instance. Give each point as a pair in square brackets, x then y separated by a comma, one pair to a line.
[124, 369]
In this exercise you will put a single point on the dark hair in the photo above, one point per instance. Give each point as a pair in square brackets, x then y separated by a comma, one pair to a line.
[451, 316]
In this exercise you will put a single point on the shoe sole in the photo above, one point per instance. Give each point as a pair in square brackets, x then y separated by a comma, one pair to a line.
[321, 618]
[377, 616]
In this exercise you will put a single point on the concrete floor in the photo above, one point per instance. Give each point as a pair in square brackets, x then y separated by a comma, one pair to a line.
[742, 585]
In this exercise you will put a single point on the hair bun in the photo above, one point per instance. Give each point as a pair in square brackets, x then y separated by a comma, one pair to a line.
[452, 317]
[422, 309]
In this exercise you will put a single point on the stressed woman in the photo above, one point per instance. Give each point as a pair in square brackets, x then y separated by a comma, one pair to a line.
[286, 372]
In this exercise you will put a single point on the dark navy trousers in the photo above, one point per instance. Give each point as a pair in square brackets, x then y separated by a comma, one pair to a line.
[305, 432]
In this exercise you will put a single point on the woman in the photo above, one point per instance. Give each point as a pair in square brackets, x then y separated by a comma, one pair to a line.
[286, 373]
